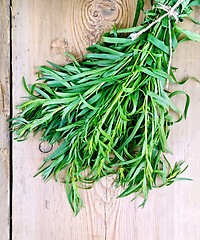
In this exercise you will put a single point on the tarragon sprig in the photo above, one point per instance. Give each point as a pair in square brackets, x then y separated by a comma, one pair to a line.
[110, 111]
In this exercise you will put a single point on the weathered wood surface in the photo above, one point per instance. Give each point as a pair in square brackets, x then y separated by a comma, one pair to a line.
[43, 30]
[4, 115]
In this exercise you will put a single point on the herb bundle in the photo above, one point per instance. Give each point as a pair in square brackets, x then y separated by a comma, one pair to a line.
[110, 112]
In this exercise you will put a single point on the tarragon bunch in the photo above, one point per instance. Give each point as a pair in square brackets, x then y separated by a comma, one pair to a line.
[110, 112]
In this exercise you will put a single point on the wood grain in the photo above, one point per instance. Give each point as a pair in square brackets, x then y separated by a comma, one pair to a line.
[4, 116]
[43, 30]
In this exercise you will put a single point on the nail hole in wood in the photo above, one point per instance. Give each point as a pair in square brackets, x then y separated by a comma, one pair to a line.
[45, 147]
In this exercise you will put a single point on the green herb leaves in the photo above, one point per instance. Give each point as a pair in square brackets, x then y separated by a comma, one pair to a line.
[110, 112]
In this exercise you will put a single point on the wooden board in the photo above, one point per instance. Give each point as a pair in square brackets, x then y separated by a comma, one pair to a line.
[43, 30]
[4, 116]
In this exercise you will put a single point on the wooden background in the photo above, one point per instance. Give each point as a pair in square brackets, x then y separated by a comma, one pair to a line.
[33, 31]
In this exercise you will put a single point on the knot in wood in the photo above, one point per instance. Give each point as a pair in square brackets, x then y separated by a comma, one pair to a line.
[45, 147]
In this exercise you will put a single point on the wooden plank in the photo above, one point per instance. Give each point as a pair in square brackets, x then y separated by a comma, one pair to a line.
[43, 30]
[4, 116]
